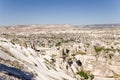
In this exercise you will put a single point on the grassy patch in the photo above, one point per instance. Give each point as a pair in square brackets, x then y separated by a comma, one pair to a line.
[85, 75]
[98, 49]
[58, 44]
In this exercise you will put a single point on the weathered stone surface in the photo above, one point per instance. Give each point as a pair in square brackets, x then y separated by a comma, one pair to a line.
[65, 52]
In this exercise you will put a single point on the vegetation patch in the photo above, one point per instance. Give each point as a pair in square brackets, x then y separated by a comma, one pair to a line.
[110, 56]
[53, 55]
[98, 49]
[109, 49]
[85, 75]
[58, 44]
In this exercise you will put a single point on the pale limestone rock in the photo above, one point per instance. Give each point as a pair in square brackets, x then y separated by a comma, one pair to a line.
[102, 59]
[115, 69]
[103, 78]
[102, 70]
[88, 67]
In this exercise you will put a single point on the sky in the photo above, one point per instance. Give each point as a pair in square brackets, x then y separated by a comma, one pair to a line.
[76, 12]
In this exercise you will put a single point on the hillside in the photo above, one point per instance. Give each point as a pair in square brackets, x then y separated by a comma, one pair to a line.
[59, 52]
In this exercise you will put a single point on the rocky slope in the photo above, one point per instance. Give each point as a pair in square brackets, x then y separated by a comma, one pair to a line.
[69, 53]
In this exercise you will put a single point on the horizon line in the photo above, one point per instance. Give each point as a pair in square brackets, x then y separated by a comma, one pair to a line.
[61, 24]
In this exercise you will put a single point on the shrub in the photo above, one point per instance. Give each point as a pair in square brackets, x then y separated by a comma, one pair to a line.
[58, 44]
[83, 74]
[98, 49]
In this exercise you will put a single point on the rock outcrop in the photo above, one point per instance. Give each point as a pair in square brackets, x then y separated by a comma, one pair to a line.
[68, 53]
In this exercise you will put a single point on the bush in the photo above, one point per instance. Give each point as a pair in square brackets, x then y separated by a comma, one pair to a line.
[58, 44]
[98, 49]
[83, 74]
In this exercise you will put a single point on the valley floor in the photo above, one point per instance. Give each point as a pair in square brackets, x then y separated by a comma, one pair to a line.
[54, 53]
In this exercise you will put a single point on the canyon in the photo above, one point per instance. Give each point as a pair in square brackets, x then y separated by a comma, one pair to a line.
[60, 52]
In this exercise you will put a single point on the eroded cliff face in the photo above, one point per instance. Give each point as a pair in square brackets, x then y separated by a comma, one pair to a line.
[78, 54]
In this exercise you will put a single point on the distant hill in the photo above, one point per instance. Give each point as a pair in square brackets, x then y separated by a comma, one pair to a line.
[101, 25]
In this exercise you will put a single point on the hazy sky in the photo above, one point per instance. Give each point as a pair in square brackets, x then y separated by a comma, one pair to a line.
[59, 11]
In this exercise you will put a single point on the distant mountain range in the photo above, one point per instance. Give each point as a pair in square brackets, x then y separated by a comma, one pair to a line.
[99, 25]
[67, 25]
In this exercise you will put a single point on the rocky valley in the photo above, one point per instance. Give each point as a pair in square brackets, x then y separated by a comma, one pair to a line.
[60, 52]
